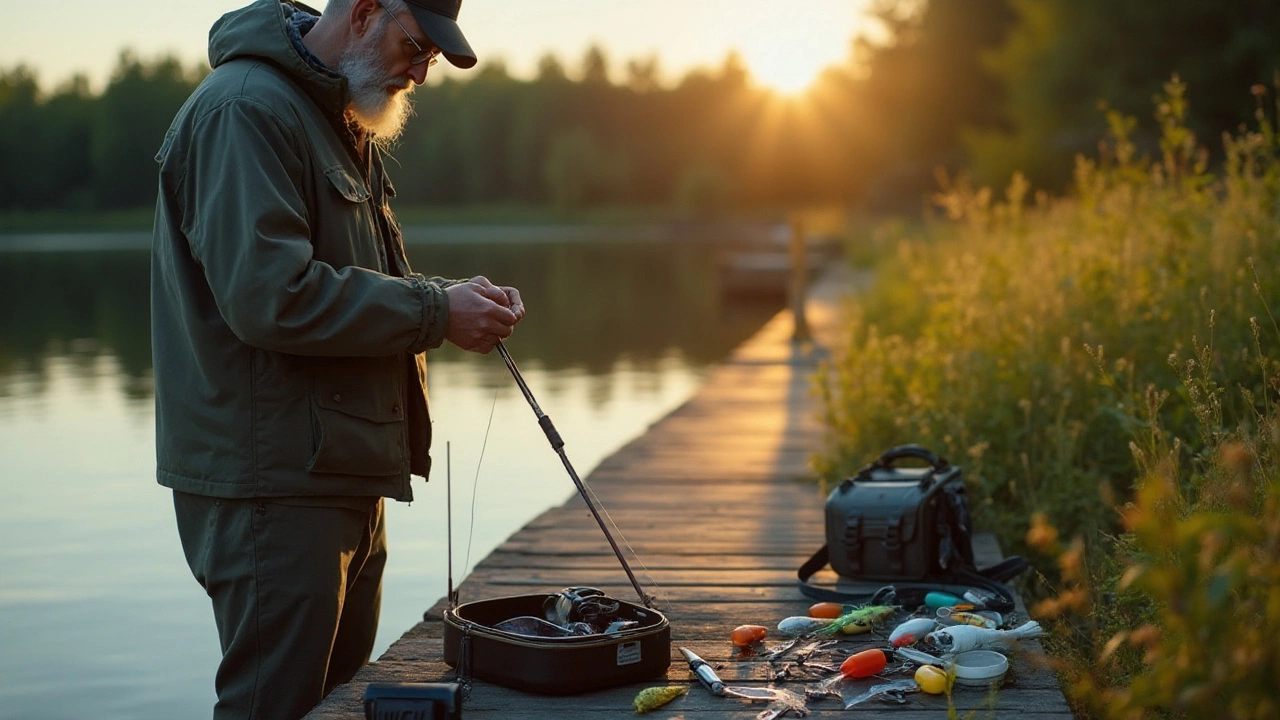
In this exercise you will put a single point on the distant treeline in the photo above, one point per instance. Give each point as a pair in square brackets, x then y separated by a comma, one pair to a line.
[986, 87]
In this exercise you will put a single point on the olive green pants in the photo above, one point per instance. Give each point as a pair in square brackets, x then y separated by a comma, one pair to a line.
[296, 591]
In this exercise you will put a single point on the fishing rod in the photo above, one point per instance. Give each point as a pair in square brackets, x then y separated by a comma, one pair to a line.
[557, 444]
[448, 488]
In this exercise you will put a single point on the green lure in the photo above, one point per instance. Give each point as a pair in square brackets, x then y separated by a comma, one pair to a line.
[655, 697]
[864, 616]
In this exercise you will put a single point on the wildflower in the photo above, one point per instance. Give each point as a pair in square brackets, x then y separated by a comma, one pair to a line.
[1042, 535]
[1235, 458]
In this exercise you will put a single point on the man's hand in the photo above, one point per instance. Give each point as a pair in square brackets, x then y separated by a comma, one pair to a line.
[511, 295]
[481, 314]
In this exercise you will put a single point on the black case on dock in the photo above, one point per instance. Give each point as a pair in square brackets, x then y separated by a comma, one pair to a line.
[559, 665]
[888, 523]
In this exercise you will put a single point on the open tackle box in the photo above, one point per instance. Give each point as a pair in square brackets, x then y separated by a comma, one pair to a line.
[554, 665]
[485, 638]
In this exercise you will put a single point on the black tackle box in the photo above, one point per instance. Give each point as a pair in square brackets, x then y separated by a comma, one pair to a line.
[553, 665]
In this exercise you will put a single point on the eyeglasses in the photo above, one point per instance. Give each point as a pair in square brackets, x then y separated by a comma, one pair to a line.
[430, 57]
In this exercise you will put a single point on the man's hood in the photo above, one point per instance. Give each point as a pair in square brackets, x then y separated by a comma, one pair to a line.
[260, 31]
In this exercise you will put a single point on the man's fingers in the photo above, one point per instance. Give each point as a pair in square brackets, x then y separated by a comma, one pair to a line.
[493, 293]
[480, 315]
[513, 301]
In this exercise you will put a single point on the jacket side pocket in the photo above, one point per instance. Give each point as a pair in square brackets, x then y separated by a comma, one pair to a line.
[357, 435]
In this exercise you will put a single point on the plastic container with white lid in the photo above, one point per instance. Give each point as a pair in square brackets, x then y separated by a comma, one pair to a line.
[979, 668]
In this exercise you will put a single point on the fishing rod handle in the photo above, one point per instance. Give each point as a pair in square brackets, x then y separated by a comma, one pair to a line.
[549, 429]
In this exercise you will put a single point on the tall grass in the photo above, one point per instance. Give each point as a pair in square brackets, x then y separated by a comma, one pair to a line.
[1102, 364]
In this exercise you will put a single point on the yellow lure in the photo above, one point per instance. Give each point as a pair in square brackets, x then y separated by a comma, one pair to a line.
[932, 680]
[858, 620]
[655, 697]
[855, 629]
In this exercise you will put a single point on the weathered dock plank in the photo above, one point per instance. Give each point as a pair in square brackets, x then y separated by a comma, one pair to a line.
[717, 507]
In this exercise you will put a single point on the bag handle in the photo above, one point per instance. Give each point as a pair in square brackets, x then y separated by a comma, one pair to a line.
[894, 454]
[912, 450]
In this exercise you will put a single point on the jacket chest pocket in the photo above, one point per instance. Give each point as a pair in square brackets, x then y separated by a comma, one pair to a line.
[348, 186]
[359, 425]
[347, 233]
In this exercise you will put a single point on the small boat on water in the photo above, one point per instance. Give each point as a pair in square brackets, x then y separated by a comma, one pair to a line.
[766, 272]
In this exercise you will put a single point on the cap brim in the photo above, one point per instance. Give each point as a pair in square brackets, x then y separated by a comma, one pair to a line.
[447, 36]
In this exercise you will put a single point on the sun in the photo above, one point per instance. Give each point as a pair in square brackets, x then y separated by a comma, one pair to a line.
[788, 72]
[795, 51]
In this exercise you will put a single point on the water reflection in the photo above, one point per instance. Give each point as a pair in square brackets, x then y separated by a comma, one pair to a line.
[76, 305]
[589, 305]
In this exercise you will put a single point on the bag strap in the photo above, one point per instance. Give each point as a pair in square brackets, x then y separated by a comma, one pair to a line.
[991, 580]
[816, 562]
[1003, 571]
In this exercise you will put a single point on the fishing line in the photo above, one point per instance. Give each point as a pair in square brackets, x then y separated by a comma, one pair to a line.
[475, 484]
[557, 444]
[623, 537]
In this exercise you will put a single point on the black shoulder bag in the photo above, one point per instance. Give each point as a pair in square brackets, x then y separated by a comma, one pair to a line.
[908, 528]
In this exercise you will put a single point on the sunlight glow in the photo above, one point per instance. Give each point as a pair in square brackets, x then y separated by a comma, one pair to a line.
[789, 72]
[791, 55]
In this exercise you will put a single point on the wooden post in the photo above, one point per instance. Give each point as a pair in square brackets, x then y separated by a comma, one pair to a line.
[798, 288]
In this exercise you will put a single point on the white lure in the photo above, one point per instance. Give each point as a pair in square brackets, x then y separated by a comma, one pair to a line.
[963, 638]
[798, 625]
[912, 630]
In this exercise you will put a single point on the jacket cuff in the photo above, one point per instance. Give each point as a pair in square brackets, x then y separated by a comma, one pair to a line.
[435, 317]
[445, 282]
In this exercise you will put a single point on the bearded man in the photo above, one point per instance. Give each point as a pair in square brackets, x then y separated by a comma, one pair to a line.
[288, 333]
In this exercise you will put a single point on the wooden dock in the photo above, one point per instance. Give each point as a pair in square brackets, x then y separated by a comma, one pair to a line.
[719, 503]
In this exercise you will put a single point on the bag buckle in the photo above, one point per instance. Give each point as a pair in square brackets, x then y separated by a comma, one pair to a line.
[893, 543]
[853, 542]
[893, 534]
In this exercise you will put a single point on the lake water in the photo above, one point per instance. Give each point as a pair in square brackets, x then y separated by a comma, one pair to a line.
[99, 616]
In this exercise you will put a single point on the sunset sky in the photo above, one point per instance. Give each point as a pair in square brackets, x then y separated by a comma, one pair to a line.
[784, 44]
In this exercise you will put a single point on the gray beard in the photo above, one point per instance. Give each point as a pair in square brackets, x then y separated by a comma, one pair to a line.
[378, 104]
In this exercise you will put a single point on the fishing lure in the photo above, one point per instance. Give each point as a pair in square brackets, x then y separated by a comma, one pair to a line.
[963, 638]
[858, 620]
[778, 651]
[784, 702]
[933, 680]
[912, 630]
[744, 635]
[754, 693]
[864, 664]
[976, 619]
[827, 610]
[859, 665]
[895, 690]
[655, 697]
[917, 657]
[797, 625]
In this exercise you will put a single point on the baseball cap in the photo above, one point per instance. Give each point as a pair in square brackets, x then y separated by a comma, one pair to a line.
[439, 20]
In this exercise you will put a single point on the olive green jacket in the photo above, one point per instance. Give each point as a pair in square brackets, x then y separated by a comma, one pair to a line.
[287, 327]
